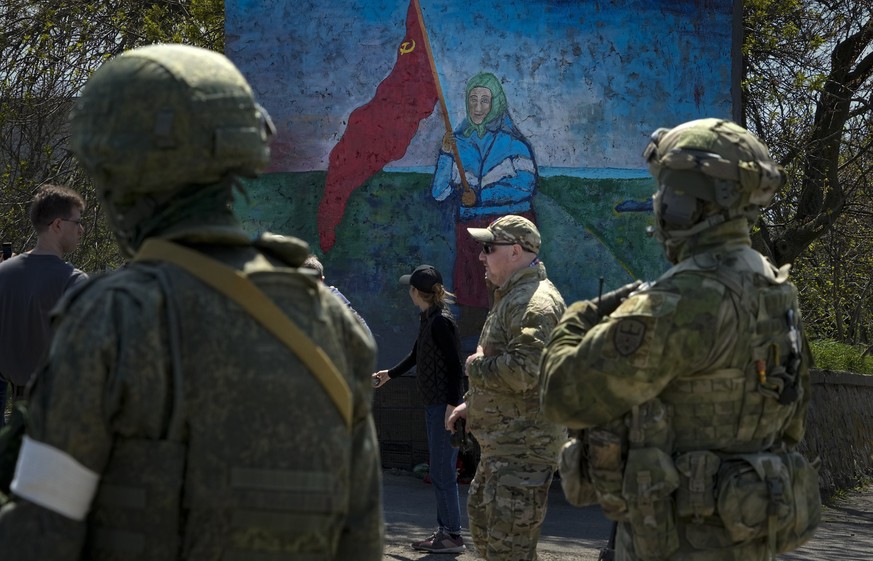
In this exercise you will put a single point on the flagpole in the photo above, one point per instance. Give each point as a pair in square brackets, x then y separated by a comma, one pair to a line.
[468, 197]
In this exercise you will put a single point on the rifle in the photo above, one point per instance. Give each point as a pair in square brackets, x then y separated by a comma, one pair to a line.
[599, 294]
[606, 553]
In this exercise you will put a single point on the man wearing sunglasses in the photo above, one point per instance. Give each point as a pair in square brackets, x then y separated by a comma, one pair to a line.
[209, 400]
[508, 494]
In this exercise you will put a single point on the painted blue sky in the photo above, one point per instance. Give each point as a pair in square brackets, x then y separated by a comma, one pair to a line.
[586, 82]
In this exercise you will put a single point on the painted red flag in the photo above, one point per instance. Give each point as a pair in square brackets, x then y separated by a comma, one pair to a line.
[380, 131]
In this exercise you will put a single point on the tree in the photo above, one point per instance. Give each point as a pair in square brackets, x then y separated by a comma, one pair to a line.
[808, 93]
[48, 49]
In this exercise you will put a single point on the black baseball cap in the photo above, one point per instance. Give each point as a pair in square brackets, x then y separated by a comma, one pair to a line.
[423, 278]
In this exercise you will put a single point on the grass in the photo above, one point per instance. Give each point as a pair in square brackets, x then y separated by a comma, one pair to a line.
[831, 355]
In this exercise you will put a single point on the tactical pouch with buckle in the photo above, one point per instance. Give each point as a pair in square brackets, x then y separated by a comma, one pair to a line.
[573, 467]
[650, 479]
[772, 496]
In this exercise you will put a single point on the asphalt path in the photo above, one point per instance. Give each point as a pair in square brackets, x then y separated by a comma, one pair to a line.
[570, 533]
[410, 515]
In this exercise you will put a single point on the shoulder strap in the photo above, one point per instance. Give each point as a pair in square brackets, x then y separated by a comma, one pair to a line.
[237, 287]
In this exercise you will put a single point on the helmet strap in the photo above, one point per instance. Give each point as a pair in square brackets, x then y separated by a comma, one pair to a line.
[705, 224]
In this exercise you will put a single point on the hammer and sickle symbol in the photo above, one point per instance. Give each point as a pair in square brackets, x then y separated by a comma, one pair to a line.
[407, 47]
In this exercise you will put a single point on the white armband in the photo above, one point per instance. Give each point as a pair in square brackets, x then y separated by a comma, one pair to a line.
[54, 480]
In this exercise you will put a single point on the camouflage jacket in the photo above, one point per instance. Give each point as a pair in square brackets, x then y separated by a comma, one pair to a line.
[698, 339]
[265, 462]
[596, 369]
[503, 402]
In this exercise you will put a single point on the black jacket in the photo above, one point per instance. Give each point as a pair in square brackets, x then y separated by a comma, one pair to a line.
[436, 356]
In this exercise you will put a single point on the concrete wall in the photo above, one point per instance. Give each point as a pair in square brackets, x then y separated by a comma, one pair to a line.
[839, 427]
[585, 82]
[399, 414]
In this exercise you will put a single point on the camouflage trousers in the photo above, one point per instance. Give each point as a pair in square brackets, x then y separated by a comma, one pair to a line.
[506, 508]
[711, 543]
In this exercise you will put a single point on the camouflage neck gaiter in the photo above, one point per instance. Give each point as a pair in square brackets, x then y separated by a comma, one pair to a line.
[186, 209]
[727, 235]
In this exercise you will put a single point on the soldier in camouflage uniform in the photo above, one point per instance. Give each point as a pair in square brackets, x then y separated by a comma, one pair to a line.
[508, 495]
[693, 391]
[168, 423]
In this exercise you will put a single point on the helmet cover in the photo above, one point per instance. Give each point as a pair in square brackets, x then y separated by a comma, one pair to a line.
[706, 167]
[157, 118]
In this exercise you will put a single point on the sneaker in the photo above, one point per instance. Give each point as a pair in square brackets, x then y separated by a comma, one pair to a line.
[440, 542]
[429, 539]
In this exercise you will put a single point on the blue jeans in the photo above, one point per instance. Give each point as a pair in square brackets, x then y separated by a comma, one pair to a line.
[443, 474]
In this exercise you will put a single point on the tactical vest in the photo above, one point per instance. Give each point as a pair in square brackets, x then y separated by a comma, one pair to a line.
[709, 448]
[745, 407]
[250, 460]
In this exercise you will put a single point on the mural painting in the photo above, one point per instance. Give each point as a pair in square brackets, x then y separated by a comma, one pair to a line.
[403, 122]
[499, 177]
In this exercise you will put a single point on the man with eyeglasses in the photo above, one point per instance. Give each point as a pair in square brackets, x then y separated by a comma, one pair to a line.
[210, 376]
[32, 283]
[508, 494]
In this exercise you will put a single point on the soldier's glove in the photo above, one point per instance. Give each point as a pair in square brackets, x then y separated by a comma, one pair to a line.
[610, 301]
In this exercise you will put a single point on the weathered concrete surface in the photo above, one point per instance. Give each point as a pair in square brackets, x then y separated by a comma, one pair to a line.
[840, 429]
[568, 533]
[577, 534]
[846, 531]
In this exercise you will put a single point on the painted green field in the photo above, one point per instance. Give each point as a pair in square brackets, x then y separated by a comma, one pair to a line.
[591, 228]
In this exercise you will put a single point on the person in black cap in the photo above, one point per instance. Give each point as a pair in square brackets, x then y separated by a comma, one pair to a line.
[436, 356]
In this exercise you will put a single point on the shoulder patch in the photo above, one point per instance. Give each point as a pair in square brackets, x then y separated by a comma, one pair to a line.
[628, 335]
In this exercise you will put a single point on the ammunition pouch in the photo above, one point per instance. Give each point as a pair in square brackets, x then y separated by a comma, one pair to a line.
[606, 450]
[769, 496]
[649, 482]
[695, 497]
[773, 496]
[573, 468]
[646, 428]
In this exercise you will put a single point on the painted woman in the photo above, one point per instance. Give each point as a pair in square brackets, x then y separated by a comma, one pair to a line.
[501, 177]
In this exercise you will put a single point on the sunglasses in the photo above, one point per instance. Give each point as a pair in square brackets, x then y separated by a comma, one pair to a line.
[488, 248]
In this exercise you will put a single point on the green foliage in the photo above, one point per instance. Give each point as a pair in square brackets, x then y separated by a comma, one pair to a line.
[834, 280]
[832, 355]
[48, 49]
[807, 85]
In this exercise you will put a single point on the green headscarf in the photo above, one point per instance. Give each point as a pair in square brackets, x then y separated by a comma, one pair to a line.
[498, 101]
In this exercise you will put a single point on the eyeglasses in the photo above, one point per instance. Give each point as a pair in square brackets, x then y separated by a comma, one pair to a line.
[488, 248]
[76, 222]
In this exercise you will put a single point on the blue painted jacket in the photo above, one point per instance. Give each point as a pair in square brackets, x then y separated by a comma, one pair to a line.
[499, 166]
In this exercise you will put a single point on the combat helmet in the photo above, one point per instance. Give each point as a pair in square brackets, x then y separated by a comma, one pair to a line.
[157, 119]
[708, 171]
